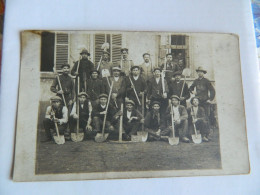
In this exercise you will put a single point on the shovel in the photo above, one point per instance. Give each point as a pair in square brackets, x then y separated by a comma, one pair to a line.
[173, 140]
[59, 139]
[101, 137]
[186, 72]
[197, 137]
[77, 137]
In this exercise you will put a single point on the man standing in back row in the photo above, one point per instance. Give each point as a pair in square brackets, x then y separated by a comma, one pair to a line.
[125, 64]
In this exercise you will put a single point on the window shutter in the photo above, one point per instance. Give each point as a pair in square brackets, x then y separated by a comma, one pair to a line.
[62, 49]
[99, 41]
[116, 47]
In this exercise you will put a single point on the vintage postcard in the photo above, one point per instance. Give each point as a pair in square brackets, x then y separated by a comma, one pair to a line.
[112, 104]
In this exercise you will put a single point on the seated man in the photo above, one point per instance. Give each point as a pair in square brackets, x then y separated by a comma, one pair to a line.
[132, 119]
[56, 113]
[197, 116]
[180, 118]
[84, 116]
[99, 112]
[154, 123]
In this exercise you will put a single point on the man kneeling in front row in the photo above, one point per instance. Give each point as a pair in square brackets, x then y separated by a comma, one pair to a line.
[56, 113]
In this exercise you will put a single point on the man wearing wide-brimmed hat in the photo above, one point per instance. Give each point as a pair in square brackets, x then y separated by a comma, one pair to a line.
[104, 67]
[204, 90]
[58, 113]
[67, 85]
[82, 68]
[125, 64]
[177, 86]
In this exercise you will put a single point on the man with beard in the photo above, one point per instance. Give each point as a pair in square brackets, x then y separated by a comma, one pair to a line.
[146, 67]
[83, 68]
[125, 64]
[154, 122]
[135, 82]
[56, 113]
[118, 91]
[94, 87]
[180, 118]
[155, 90]
[67, 85]
[104, 67]
[169, 67]
[176, 86]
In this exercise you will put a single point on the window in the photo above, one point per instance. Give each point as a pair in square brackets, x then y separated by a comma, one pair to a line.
[115, 44]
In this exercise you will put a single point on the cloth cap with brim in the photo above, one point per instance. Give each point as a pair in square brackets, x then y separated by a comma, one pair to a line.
[65, 65]
[200, 69]
[157, 69]
[103, 95]
[133, 67]
[84, 51]
[130, 102]
[116, 68]
[168, 54]
[156, 102]
[55, 98]
[105, 52]
[176, 97]
[83, 94]
[177, 73]
[94, 71]
[191, 100]
[124, 49]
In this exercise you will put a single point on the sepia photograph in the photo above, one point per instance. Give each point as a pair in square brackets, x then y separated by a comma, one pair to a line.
[122, 102]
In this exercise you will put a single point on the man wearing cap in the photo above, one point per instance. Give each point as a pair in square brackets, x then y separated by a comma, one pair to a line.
[180, 118]
[82, 68]
[135, 82]
[94, 87]
[176, 87]
[104, 67]
[155, 90]
[125, 64]
[197, 116]
[84, 117]
[118, 91]
[58, 113]
[154, 122]
[169, 67]
[67, 85]
[146, 67]
[204, 91]
[99, 112]
[132, 119]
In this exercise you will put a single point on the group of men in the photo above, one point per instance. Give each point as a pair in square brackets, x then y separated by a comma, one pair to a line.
[151, 96]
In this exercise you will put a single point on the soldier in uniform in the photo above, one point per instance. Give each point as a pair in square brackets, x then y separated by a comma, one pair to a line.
[155, 90]
[146, 67]
[169, 67]
[67, 85]
[83, 68]
[95, 87]
[176, 87]
[180, 117]
[84, 116]
[125, 64]
[196, 115]
[118, 91]
[135, 82]
[58, 113]
[204, 91]
[105, 66]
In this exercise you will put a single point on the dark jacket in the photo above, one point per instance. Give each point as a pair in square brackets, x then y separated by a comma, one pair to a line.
[200, 114]
[118, 86]
[153, 121]
[175, 89]
[85, 69]
[94, 88]
[139, 85]
[182, 111]
[110, 113]
[155, 90]
[134, 113]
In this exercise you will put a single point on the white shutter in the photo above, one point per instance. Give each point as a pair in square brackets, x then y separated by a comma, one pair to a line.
[61, 49]
[99, 41]
[116, 47]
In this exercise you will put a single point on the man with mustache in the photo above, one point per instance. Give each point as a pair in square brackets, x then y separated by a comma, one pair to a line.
[146, 67]
[125, 64]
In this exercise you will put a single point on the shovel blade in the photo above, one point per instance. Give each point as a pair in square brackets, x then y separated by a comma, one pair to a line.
[77, 137]
[143, 134]
[100, 137]
[59, 139]
[136, 138]
[196, 139]
[173, 140]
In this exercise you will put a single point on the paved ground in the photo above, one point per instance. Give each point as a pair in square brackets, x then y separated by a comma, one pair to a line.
[89, 156]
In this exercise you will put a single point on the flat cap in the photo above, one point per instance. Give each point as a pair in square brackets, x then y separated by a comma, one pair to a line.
[116, 68]
[176, 97]
[130, 102]
[156, 102]
[56, 98]
[201, 70]
[83, 93]
[65, 64]
[103, 95]
[133, 67]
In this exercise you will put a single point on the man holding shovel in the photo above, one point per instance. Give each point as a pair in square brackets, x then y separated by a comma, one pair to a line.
[104, 66]
[180, 118]
[55, 113]
[84, 117]
[197, 117]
